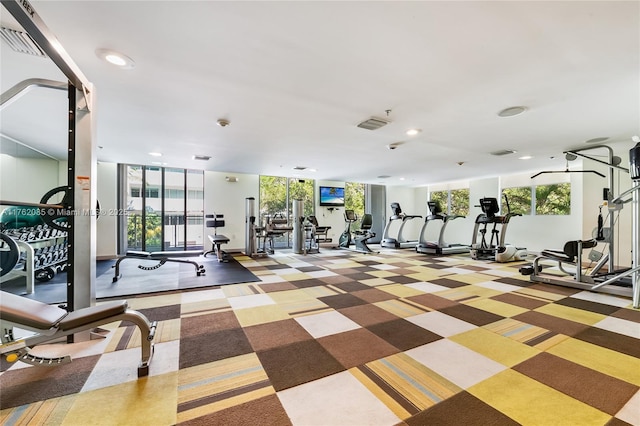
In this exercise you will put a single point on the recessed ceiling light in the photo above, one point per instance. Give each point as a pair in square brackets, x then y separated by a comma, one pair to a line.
[511, 111]
[597, 140]
[401, 178]
[116, 58]
[525, 157]
[155, 154]
[501, 152]
[413, 132]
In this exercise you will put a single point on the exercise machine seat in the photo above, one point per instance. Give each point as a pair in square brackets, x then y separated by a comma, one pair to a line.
[84, 316]
[569, 251]
[29, 312]
[321, 232]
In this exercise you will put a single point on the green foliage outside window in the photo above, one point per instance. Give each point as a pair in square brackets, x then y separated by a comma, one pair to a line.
[273, 195]
[441, 197]
[519, 200]
[354, 200]
[152, 233]
[459, 202]
[302, 190]
[553, 199]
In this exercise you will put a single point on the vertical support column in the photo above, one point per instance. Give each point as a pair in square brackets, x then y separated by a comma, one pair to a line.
[298, 231]
[81, 291]
[635, 244]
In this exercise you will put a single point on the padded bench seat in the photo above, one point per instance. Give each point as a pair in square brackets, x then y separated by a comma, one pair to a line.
[155, 255]
[161, 257]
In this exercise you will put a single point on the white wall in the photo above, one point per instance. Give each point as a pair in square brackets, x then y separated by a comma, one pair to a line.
[326, 217]
[229, 199]
[107, 224]
[410, 205]
[26, 179]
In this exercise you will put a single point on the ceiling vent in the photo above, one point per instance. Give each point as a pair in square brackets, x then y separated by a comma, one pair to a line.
[21, 42]
[503, 152]
[373, 123]
[202, 157]
[300, 168]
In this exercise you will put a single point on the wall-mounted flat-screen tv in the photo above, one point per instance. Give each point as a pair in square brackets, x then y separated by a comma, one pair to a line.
[331, 196]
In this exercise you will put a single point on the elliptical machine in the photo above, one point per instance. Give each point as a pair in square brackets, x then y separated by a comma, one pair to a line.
[495, 248]
[345, 238]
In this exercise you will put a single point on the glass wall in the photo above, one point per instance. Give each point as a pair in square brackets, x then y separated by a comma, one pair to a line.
[165, 208]
[276, 201]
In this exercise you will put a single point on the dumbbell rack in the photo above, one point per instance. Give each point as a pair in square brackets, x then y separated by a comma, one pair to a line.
[43, 253]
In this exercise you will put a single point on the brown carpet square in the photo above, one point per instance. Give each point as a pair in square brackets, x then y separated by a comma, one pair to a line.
[610, 340]
[402, 279]
[335, 279]
[432, 301]
[272, 287]
[366, 315]
[519, 282]
[588, 305]
[265, 411]
[474, 268]
[373, 295]
[522, 301]
[338, 301]
[359, 276]
[617, 422]
[310, 269]
[209, 347]
[403, 334]
[627, 314]
[356, 347]
[472, 315]
[313, 282]
[435, 265]
[599, 390]
[351, 286]
[460, 410]
[551, 323]
[274, 334]
[208, 323]
[161, 313]
[45, 382]
[298, 363]
[555, 289]
[448, 282]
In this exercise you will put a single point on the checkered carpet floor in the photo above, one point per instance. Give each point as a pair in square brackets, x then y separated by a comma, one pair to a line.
[340, 338]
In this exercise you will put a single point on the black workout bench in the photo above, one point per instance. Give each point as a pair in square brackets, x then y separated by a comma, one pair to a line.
[217, 239]
[162, 257]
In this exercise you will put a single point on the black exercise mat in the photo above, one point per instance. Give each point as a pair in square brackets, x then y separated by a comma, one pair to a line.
[134, 281]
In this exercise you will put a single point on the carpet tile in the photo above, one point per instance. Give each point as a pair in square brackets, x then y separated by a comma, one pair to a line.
[341, 338]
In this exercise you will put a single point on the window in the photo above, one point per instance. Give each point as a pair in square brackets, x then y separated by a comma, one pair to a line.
[354, 200]
[276, 198]
[519, 200]
[459, 202]
[551, 199]
[156, 221]
[452, 202]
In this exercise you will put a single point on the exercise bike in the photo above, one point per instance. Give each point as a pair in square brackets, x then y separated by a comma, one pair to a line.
[362, 235]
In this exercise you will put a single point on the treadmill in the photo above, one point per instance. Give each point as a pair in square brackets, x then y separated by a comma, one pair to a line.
[439, 247]
[399, 241]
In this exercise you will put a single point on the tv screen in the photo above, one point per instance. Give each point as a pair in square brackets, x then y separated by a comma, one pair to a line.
[331, 196]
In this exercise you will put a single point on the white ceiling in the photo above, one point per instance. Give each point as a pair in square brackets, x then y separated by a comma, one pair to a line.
[295, 78]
